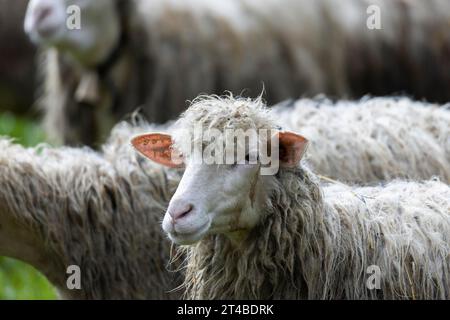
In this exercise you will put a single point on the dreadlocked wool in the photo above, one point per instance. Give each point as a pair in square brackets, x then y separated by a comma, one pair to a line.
[61, 207]
[373, 139]
[319, 241]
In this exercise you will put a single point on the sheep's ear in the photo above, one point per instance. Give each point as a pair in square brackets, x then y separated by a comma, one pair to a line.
[159, 148]
[292, 147]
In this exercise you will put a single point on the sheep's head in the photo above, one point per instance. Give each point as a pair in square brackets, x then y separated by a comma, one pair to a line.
[88, 29]
[228, 147]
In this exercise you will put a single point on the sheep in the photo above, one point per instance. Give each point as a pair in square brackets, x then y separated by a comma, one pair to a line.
[157, 54]
[61, 207]
[71, 224]
[283, 235]
[374, 139]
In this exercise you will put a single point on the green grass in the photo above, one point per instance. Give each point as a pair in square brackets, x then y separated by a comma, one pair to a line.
[19, 281]
[25, 131]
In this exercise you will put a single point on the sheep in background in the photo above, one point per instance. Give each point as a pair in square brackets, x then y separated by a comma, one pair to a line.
[374, 139]
[156, 54]
[101, 212]
[284, 236]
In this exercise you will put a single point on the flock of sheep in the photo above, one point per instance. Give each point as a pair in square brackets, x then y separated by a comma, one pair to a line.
[372, 189]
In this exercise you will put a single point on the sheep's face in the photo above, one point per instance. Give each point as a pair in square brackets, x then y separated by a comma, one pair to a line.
[88, 29]
[213, 198]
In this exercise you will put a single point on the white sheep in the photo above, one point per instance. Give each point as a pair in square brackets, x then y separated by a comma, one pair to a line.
[285, 236]
[156, 54]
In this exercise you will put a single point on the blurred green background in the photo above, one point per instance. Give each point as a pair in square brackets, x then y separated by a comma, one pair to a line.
[19, 281]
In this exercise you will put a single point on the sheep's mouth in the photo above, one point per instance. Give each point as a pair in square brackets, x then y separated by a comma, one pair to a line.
[48, 28]
[47, 31]
[191, 237]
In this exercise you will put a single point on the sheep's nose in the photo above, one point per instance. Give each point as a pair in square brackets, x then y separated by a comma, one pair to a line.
[180, 211]
[42, 13]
